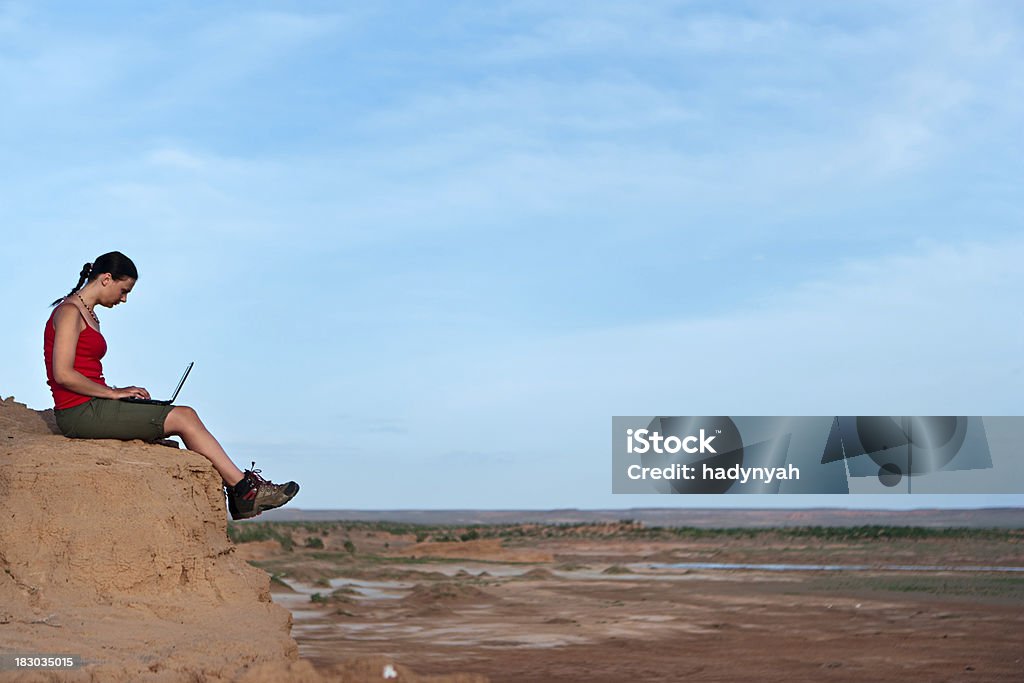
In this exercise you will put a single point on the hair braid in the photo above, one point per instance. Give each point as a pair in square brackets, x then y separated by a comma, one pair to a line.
[86, 269]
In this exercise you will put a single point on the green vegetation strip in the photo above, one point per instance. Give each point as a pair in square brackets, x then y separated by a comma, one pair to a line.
[980, 585]
[282, 532]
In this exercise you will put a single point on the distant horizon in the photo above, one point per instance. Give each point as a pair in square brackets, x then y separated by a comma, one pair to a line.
[654, 507]
[709, 518]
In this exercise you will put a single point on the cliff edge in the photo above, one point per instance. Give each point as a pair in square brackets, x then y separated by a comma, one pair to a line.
[118, 552]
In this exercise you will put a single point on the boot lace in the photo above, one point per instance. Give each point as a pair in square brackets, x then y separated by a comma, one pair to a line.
[258, 480]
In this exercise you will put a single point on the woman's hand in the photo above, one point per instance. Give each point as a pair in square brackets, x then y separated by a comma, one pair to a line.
[130, 392]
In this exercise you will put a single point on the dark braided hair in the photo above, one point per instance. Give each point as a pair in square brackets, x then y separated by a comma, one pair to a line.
[117, 264]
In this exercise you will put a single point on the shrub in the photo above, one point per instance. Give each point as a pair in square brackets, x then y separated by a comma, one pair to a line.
[250, 532]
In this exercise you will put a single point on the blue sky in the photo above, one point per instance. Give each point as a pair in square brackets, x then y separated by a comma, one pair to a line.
[422, 252]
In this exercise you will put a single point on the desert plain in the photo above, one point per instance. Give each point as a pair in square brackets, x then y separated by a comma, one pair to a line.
[627, 601]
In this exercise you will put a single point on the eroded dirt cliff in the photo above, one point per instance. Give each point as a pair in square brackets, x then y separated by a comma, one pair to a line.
[117, 552]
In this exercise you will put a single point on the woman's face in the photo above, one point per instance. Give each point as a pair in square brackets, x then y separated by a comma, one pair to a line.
[114, 292]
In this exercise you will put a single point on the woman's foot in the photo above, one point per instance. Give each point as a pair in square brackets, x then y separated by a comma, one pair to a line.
[254, 494]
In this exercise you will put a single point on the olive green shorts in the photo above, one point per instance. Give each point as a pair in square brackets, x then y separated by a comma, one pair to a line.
[105, 418]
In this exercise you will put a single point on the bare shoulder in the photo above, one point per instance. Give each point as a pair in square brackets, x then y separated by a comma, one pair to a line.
[68, 314]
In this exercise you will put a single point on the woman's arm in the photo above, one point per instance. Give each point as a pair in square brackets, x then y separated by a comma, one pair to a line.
[67, 326]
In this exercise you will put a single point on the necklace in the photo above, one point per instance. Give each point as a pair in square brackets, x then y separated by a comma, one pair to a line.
[88, 309]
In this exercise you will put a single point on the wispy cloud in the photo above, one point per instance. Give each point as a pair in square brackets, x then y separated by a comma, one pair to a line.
[910, 333]
[654, 28]
[177, 158]
[228, 51]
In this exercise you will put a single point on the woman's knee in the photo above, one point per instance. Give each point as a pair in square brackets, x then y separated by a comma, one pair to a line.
[180, 419]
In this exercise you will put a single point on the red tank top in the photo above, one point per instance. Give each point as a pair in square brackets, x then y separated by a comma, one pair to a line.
[91, 348]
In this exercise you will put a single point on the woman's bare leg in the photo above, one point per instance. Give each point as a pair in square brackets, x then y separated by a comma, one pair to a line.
[183, 421]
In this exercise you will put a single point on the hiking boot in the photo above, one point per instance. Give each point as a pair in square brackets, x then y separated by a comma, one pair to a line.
[254, 494]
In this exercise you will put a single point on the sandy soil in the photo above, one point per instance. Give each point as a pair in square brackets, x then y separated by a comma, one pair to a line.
[598, 611]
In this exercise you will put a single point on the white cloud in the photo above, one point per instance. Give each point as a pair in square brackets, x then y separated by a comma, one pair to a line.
[650, 29]
[45, 74]
[267, 30]
[932, 331]
[177, 158]
[537, 107]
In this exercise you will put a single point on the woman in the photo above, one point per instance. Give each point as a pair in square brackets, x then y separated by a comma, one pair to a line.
[87, 408]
